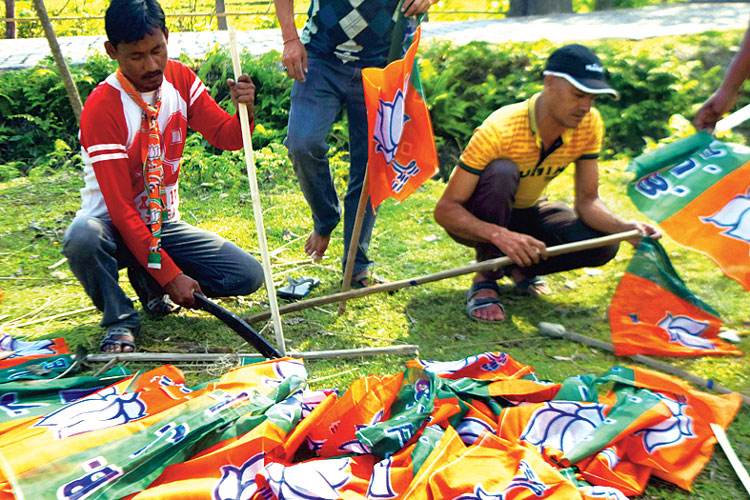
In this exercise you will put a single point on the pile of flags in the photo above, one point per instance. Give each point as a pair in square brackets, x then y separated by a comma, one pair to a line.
[483, 427]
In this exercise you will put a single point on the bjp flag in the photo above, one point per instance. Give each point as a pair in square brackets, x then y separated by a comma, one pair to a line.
[653, 312]
[698, 190]
[402, 152]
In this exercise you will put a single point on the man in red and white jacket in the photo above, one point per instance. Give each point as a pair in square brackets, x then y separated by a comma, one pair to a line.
[133, 130]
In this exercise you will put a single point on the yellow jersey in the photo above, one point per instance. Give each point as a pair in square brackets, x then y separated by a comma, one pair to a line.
[510, 133]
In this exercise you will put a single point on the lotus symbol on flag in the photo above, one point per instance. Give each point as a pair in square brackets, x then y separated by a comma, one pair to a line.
[527, 480]
[686, 331]
[735, 217]
[319, 479]
[562, 424]
[21, 348]
[469, 429]
[389, 125]
[403, 174]
[238, 483]
[101, 410]
[670, 432]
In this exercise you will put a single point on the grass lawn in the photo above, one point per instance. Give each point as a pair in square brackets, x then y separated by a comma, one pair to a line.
[35, 211]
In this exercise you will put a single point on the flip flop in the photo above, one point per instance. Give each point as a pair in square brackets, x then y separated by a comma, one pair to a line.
[297, 289]
[472, 304]
[527, 286]
[358, 281]
[118, 336]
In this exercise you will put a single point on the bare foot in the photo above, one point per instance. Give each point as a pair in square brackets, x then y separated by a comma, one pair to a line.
[491, 312]
[533, 286]
[316, 245]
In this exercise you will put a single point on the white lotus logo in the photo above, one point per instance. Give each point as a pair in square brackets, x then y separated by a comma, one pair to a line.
[389, 124]
[238, 483]
[735, 217]
[670, 432]
[319, 479]
[102, 410]
[686, 331]
[562, 424]
[22, 348]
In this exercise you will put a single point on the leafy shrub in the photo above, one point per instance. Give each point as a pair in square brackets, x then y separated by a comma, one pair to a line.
[462, 86]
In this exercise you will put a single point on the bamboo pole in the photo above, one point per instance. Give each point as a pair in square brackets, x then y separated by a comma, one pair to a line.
[558, 331]
[255, 194]
[734, 460]
[174, 357]
[354, 241]
[62, 66]
[486, 265]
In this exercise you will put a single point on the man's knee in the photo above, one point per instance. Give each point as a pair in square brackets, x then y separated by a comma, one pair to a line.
[602, 255]
[501, 171]
[83, 238]
[248, 280]
[302, 145]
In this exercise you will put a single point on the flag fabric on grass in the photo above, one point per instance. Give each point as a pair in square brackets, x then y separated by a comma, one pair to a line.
[402, 152]
[17, 351]
[653, 312]
[678, 448]
[698, 190]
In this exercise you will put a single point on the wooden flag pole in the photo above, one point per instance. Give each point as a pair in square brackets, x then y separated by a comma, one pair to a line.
[731, 121]
[739, 469]
[486, 265]
[254, 193]
[555, 330]
[354, 242]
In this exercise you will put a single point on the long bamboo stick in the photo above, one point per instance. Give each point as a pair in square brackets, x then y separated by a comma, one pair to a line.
[450, 273]
[400, 350]
[255, 194]
[558, 331]
[364, 196]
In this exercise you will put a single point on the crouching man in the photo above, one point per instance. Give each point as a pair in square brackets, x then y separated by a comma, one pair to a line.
[133, 131]
[494, 200]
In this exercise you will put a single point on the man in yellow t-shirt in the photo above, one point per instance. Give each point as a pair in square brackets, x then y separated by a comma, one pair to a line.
[495, 203]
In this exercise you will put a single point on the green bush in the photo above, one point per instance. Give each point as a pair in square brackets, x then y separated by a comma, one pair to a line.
[462, 86]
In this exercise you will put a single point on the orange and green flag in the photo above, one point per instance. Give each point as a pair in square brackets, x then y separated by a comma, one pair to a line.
[677, 448]
[698, 190]
[402, 152]
[653, 312]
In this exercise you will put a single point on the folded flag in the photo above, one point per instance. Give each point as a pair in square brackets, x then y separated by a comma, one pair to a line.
[402, 152]
[698, 190]
[653, 312]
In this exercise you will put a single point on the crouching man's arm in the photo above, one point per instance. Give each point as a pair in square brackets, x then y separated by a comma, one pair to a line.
[450, 213]
[592, 210]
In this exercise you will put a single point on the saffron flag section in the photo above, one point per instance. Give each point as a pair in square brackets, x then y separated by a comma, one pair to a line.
[402, 152]
[653, 312]
[698, 190]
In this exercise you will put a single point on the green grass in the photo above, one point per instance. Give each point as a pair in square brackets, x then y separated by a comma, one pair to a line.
[35, 211]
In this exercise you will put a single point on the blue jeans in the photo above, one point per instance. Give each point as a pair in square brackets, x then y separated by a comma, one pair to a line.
[330, 86]
[96, 251]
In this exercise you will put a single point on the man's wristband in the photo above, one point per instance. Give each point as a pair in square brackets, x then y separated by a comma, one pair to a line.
[291, 40]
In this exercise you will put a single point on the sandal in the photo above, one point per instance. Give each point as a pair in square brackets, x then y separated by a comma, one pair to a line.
[119, 336]
[472, 304]
[366, 278]
[159, 307]
[532, 286]
[297, 289]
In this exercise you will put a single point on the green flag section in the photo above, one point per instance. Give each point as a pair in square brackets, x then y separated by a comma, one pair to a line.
[698, 190]
[653, 312]
[402, 153]
[458, 429]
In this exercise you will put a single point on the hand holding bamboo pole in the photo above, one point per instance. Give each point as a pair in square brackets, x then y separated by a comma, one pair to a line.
[257, 209]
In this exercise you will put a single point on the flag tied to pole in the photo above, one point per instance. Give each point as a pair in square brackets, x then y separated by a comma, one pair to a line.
[653, 312]
[698, 190]
[402, 152]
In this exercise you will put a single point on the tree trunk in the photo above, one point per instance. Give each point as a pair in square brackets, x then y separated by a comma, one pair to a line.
[62, 66]
[537, 7]
[10, 12]
[605, 4]
[221, 20]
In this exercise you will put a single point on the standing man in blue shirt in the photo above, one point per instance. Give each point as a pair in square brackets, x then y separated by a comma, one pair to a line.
[339, 39]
